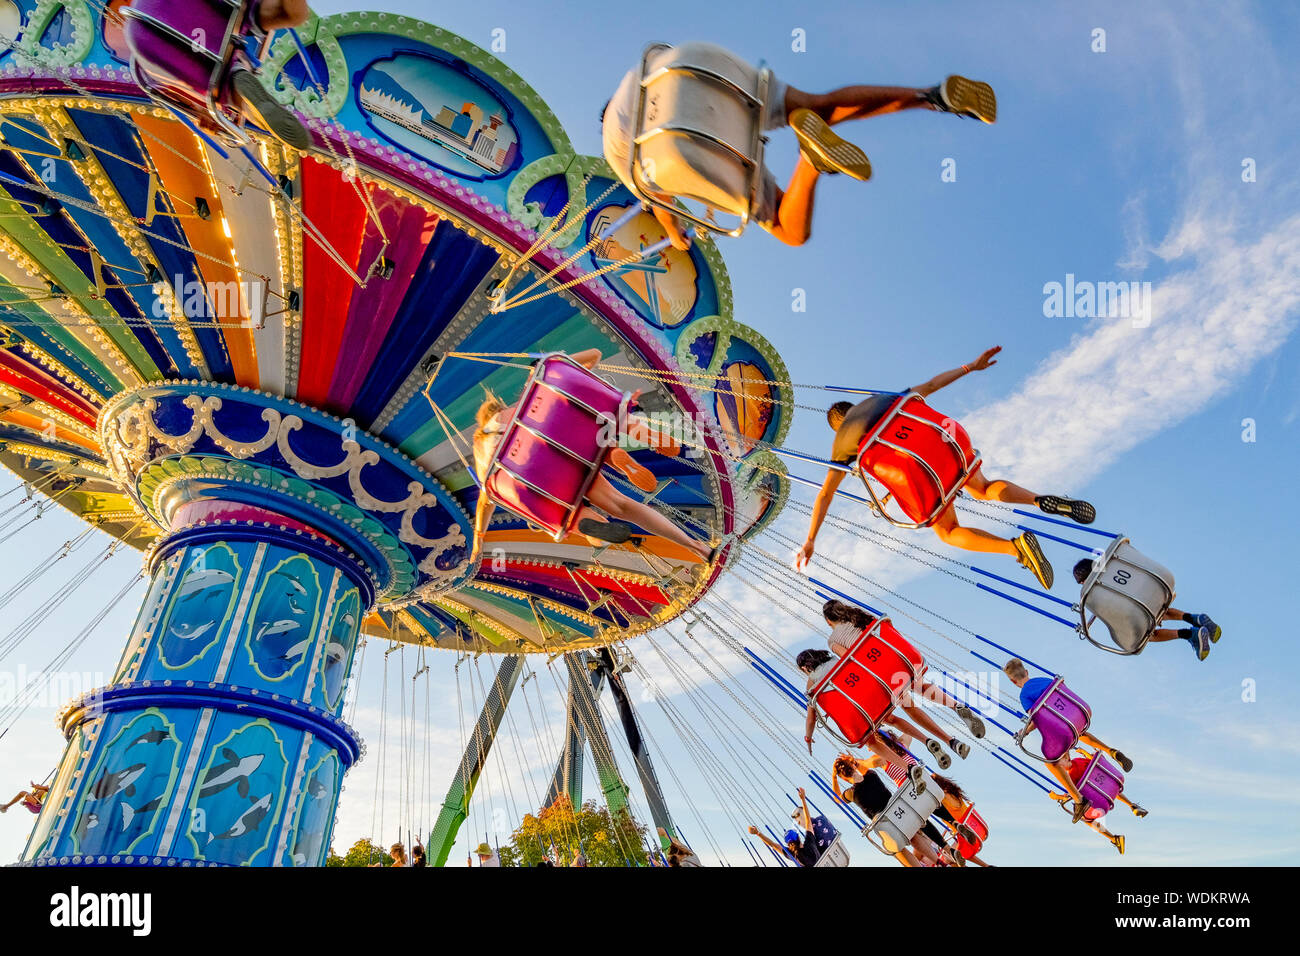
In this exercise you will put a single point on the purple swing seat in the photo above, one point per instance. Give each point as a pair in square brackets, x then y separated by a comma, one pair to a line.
[1061, 718]
[181, 55]
[552, 450]
[1101, 784]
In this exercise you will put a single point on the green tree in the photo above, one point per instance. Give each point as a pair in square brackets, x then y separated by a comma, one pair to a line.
[559, 832]
[363, 853]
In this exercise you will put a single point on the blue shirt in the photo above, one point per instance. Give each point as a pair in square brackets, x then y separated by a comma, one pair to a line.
[1033, 689]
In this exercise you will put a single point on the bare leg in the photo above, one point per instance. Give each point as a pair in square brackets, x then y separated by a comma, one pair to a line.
[998, 490]
[936, 693]
[22, 795]
[925, 849]
[904, 856]
[1063, 778]
[1096, 744]
[927, 722]
[282, 14]
[640, 431]
[604, 496]
[794, 209]
[882, 749]
[1125, 800]
[909, 729]
[1165, 634]
[970, 539]
[1096, 825]
[856, 102]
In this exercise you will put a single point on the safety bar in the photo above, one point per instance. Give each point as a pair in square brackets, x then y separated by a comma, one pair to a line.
[946, 495]
[753, 160]
[824, 686]
[571, 508]
[1095, 581]
[1058, 683]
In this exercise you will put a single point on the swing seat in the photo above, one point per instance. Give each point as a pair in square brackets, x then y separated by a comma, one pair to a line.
[922, 459]
[972, 819]
[562, 431]
[1129, 593]
[181, 55]
[1100, 784]
[864, 686]
[892, 829]
[698, 132]
[835, 855]
[1061, 717]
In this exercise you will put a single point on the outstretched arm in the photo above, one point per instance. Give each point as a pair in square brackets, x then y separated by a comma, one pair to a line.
[587, 358]
[820, 507]
[809, 723]
[772, 844]
[803, 802]
[943, 379]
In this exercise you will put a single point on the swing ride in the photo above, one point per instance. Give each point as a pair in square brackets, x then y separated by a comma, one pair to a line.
[261, 365]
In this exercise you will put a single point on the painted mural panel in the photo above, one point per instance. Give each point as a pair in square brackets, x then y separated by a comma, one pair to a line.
[238, 796]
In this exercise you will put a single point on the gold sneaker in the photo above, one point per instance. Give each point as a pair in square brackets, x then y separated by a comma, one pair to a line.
[1032, 557]
[825, 150]
[957, 94]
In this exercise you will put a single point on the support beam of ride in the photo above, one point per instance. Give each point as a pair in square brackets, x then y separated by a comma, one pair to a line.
[568, 772]
[636, 743]
[611, 783]
[455, 807]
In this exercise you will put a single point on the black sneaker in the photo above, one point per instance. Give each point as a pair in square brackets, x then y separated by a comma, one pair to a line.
[615, 532]
[1079, 512]
[279, 120]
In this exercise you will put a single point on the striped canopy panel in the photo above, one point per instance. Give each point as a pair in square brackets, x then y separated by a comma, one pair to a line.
[345, 279]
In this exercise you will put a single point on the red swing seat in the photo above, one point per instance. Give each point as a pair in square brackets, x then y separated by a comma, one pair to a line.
[865, 685]
[922, 459]
[972, 819]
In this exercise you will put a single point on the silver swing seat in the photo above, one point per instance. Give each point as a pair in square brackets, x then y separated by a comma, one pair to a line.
[892, 829]
[835, 855]
[698, 133]
[1127, 592]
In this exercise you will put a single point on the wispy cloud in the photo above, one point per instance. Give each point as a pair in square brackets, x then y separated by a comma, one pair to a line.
[1233, 302]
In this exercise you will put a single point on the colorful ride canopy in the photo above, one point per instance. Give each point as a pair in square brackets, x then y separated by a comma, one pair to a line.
[269, 315]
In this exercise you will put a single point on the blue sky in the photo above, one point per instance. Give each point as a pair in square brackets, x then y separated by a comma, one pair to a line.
[1122, 165]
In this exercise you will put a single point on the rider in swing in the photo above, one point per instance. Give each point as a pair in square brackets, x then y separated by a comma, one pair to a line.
[852, 423]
